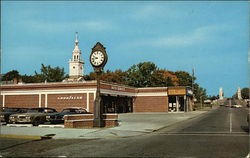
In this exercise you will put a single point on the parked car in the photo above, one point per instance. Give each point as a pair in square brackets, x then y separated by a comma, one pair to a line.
[59, 117]
[236, 106]
[7, 111]
[34, 116]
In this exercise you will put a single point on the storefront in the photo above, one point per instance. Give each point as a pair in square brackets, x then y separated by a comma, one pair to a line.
[117, 104]
[180, 99]
[116, 98]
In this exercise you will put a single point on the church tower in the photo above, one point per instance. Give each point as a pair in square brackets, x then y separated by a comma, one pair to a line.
[76, 65]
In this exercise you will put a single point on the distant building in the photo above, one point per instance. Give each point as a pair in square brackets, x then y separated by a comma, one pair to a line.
[221, 94]
[239, 93]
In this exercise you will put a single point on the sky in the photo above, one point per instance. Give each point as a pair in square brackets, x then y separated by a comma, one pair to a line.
[211, 37]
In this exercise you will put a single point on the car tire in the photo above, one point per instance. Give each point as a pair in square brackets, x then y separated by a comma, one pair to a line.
[36, 122]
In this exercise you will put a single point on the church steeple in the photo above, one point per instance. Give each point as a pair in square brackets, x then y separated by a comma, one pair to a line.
[76, 41]
[76, 64]
[76, 52]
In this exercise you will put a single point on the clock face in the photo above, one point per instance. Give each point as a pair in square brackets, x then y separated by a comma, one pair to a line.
[97, 58]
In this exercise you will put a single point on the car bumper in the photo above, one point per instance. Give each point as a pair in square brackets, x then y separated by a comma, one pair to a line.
[20, 120]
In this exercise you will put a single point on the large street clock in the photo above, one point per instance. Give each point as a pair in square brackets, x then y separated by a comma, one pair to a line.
[98, 58]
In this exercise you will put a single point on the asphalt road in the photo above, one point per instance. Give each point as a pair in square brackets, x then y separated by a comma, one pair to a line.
[222, 132]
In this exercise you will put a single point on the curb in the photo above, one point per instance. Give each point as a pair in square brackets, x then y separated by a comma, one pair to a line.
[19, 125]
[51, 126]
[19, 136]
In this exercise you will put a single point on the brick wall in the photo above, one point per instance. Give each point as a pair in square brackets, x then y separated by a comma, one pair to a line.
[26, 101]
[151, 104]
[43, 100]
[86, 120]
[61, 101]
[91, 102]
[1, 101]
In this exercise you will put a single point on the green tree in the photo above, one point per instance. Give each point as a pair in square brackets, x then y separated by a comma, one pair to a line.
[184, 78]
[118, 76]
[214, 97]
[162, 78]
[50, 74]
[199, 93]
[29, 79]
[11, 75]
[245, 93]
[141, 75]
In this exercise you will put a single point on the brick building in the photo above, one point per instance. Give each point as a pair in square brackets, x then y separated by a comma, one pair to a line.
[116, 98]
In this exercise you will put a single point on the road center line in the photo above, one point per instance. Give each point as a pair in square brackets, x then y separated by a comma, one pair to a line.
[230, 121]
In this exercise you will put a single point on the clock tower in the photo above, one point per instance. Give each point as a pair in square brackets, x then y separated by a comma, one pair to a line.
[76, 65]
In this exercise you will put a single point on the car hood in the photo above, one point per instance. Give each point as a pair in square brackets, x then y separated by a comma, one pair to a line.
[28, 114]
[7, 113]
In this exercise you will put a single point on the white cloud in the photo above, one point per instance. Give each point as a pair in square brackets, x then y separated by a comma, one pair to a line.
[62, 26]
[198, 36]
[156, 11]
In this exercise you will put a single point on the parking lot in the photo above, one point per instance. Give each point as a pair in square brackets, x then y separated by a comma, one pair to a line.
[130, 124]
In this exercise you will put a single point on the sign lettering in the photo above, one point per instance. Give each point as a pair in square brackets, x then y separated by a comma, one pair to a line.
[117, 88]
[69, 98]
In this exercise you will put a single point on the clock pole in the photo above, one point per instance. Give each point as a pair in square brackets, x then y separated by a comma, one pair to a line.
[98, 108]
[98, 59]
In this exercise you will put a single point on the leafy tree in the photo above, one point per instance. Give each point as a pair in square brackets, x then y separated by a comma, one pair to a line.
[141, 75]
[50, 74]
[118, 76]
[29, 79]
[163, 78]
[11, 75]
[213, 97]
[245, 93]
[184, 78]
[199, 93]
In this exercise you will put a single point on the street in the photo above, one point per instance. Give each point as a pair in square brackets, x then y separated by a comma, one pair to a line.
[222, 132]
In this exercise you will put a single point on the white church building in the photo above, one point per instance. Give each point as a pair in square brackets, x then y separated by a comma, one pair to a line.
[76, 64]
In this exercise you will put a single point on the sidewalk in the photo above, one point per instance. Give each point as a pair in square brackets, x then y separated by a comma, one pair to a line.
[130, 124]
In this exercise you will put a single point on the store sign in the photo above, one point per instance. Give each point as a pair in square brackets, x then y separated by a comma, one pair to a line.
[117, 88]
[176, 91]
[69, 98]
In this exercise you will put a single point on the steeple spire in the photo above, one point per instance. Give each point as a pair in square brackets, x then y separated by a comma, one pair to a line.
[76, 49]
[76, 41]
[76, 65]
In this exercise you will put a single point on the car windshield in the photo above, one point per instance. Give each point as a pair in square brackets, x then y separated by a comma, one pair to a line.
[10, 109]
[33, 110]
[69, 110]
[75, 110]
